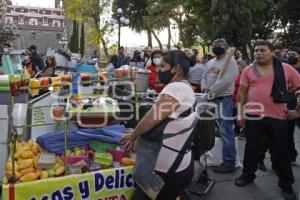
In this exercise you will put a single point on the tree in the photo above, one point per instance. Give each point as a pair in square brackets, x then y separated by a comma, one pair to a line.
[82, 40]
[136, 11]
[90, 11]
[74, 38]
[289, 15]
[234, 24]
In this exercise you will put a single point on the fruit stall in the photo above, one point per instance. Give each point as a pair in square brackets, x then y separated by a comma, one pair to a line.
[62, 136]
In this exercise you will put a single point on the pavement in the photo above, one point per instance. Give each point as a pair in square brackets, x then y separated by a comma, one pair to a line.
[264, 187]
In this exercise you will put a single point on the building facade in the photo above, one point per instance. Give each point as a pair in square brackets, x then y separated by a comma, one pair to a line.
[43, 27]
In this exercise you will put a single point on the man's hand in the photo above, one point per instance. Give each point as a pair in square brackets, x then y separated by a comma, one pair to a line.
[292, 114]
[241, 120]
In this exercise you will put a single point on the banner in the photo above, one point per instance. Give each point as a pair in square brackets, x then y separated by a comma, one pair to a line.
[110, 184]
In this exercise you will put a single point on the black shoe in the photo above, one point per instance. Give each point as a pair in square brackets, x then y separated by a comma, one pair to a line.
[261, 166]
[242, 181]
[288, 194]
[223, 168]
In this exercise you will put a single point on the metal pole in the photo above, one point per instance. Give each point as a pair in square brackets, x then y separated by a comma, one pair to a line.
[119, 36]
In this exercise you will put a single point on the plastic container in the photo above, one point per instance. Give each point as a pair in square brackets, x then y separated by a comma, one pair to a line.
[58, 112]
[118, 154]
[15, 84]
[104, 159]
[75, 159]
[120, 73]
[142, 78]
[35, 87]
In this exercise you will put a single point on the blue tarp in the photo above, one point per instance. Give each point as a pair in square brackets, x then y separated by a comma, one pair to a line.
[54, 142]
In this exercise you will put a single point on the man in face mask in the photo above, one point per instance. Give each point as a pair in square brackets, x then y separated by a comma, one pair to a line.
[222, 88]
[293, 58]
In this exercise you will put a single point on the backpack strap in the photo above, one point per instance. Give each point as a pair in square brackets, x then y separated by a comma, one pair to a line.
[186, 147]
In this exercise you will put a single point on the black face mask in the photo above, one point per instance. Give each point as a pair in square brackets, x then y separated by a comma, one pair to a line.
[218, 50]
[292, 60]
[165, 77]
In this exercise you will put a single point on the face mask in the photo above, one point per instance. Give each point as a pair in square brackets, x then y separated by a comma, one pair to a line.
[292, 60]
[165, 77]
[5, 50]
[218, 50]
[157, 61]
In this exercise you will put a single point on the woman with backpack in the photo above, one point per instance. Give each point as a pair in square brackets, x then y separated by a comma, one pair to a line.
[164, 166]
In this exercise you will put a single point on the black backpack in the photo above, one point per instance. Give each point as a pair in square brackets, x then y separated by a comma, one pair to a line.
[204, 133]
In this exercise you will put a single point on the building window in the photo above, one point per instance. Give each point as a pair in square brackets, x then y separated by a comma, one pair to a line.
[33, 35]
[56, 23]
[9, 20]
[58, 36]
[33, 21]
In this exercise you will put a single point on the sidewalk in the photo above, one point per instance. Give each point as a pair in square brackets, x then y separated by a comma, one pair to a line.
[264, 188]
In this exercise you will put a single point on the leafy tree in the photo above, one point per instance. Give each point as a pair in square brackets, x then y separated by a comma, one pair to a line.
[90, 11]
[136, 11]
[289, 15]
[232, 20]
[74, 37]
[82, 40]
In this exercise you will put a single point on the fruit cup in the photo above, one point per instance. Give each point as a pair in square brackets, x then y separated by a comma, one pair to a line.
[15, 88]
[66, 79]
[56, 83]
[45, 81]
[85, 79]
[57, 112]
[120, 73]
[35, 87]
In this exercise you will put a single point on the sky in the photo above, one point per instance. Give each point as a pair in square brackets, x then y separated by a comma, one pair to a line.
[129, 38]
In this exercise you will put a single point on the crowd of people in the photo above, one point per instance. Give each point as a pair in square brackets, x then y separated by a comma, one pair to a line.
[256, 101]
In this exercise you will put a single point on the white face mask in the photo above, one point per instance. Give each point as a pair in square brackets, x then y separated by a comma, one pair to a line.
[157, 61]
[5, 50]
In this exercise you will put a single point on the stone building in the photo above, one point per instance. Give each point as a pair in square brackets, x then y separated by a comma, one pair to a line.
[43, 27]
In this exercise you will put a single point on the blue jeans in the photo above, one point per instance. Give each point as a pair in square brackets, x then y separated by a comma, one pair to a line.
[225, 111]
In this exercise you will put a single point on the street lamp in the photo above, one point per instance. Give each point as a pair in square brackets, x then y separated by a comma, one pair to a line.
[119, 18]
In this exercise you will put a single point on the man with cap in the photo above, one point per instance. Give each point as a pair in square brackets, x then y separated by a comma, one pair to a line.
[136, 60]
